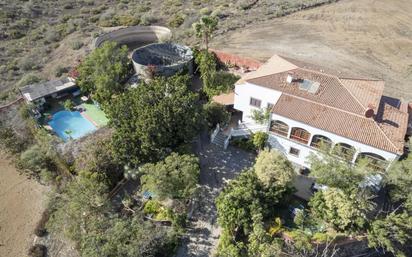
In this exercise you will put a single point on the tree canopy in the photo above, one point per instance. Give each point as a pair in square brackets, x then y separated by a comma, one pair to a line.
[393, 233]
[332, 171]
[153, 119]
[98, 157]
[340, 210]
[272, 168]
[242, 207]
[103, 72]
[174, 177]
[399, 181]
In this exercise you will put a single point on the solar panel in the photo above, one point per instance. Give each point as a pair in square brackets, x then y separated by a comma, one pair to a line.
[304, 85]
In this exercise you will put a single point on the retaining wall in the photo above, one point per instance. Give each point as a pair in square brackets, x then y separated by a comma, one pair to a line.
[239, 61]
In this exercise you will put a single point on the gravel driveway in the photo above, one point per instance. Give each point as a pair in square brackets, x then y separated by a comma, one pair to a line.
[217, 167]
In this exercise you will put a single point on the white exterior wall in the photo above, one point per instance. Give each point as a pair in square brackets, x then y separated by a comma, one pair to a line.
[244, 92]
[283, 144]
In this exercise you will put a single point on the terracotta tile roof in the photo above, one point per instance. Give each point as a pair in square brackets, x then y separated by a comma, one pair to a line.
[331, 92]
[338, 106]
[368, 92]
[356, 127]
[225, 99]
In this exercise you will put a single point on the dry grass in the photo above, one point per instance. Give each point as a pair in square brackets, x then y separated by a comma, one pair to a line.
[369, 38]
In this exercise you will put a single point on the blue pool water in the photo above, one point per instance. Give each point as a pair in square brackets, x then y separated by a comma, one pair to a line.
[70, 121]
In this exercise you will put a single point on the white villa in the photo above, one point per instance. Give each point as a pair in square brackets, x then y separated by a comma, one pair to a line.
[309, 108]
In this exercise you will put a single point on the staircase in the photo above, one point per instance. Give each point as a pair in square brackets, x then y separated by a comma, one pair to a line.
[219, 139]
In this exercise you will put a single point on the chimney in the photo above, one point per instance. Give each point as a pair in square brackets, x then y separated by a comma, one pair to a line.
[370, 111]
[289, 79]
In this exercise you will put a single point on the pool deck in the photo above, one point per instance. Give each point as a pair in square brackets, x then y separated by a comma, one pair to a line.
[87, 110]
[84, 114]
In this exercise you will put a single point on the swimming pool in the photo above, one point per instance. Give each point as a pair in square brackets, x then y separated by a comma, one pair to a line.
[72, 122]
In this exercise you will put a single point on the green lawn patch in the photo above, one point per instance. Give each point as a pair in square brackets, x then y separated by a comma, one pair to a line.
[96, 114]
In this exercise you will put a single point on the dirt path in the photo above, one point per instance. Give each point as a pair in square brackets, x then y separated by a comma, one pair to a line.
[21, 204]
[368, 38]
[218, 166]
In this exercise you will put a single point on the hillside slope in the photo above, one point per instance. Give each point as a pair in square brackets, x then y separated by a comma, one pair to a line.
[371, 38]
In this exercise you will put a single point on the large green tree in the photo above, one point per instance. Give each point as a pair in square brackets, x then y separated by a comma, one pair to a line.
[334, 172]
[241, 207]
[76, 209]
[103, 72]
[83, 213]
[216, 114]
[340, 210]
[272, 168]
[174, 177]
[98, 157]
[393, 233]
[153, 119]
[399, 181]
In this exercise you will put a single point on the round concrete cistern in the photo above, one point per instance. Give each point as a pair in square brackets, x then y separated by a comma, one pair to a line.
[165, 59]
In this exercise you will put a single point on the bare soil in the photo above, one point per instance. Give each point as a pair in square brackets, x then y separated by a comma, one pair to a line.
[21, 203]
[367, 38]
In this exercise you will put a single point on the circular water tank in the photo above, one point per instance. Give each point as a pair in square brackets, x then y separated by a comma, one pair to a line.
[135, 36]
[164, 59]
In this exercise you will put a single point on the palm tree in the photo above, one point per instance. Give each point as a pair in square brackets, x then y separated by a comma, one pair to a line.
[69, 133]
[205, 27]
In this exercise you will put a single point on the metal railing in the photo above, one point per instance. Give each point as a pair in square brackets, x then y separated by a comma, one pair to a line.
[215, 132]
[227, 140]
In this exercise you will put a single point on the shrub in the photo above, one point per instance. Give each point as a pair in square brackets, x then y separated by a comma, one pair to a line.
[27, 79]
[34, 160]
[259, 139]
[260, 116]
[76, 45]
[152, 207]
[40, 229]
[10, 141]
[27, 64]
[222, 82]
[127, 20]
[320, 237]
[15, 33]
[216, 113]
[68, 104]
[52, 36]
[148, 19]
[205, 11]
[60, 71]
[176, 21]
[243, 143]
[38, 250]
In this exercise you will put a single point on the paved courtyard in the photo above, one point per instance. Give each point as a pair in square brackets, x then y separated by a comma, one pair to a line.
[218, 166]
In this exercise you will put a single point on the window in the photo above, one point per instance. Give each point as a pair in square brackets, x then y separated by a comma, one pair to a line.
[344, 150]
[375, 161]
[320, 141]
[270, 106]
[255, 102]
[300, 135]
[279, 127]
[294, 151]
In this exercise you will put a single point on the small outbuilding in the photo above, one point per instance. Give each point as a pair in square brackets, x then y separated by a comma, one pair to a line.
[37, 93]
